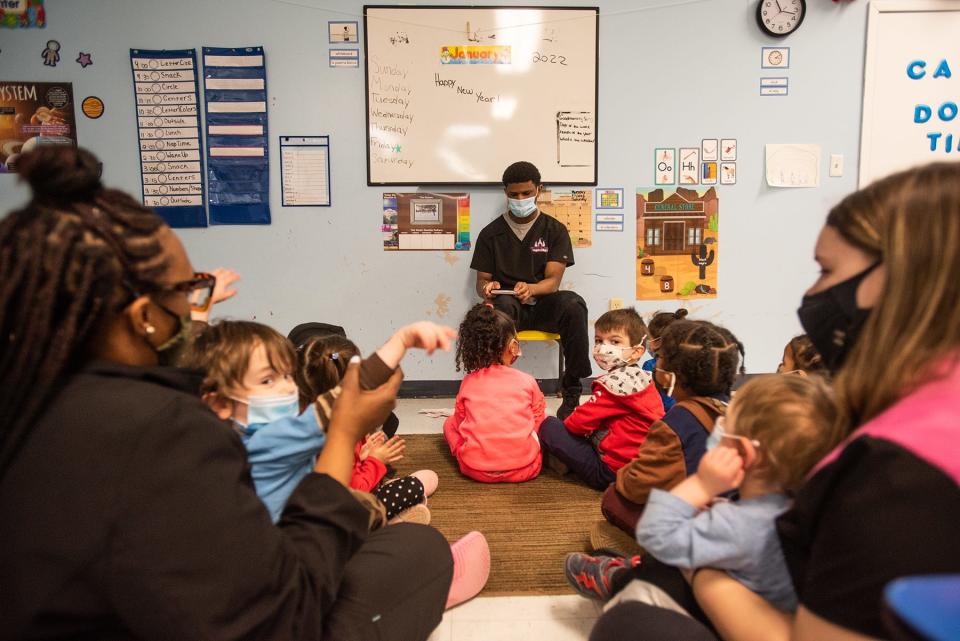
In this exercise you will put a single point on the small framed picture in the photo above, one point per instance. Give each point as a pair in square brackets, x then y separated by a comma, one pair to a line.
[708, 173]
[775, 57]
[341, 32]
[665, 166]
[710, 148]
[728, 149]
[728, 173]
[689, 165]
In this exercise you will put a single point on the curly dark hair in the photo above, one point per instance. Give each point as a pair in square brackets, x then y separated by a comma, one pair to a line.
[806, 358]
[484, 335]
[706, 358]
[322, 362]
[521, 172]
[661, 320]
[68, 259]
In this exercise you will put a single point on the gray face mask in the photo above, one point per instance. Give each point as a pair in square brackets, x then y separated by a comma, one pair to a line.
[170, 352]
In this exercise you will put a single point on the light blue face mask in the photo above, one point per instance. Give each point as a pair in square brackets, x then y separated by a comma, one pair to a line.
[716, 436]
[268, 409]
[521, 208]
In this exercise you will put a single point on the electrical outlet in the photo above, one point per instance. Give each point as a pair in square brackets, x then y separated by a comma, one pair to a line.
[836, 165]
[616, 303]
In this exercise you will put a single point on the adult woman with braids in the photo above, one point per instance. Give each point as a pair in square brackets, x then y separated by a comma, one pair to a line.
[126, 507]
[886, 503]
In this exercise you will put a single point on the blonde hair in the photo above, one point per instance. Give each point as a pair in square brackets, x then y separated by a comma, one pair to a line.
[794, 418]
[911, 222]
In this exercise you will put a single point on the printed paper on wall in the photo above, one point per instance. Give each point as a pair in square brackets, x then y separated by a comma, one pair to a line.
[573, 208]
[33, 114]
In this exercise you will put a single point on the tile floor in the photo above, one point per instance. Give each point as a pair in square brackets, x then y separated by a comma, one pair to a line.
[511, 618]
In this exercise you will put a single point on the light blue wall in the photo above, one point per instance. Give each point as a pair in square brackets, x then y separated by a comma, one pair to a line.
[670, 74]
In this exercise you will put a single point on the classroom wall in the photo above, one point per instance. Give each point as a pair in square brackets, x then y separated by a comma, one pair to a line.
[671, 73]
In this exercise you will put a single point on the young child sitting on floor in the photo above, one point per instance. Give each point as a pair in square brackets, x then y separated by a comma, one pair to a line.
[658, 324]
[776, 430]
[322, 362]
[493, 430]
[605, 433]
[802, 358]
[696, 365]
[249, 379]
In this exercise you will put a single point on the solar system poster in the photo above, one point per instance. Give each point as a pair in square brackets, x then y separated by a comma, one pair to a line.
[34, 114]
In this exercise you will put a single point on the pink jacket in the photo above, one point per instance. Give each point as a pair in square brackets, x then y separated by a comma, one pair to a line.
[925, 422]
[498, 413]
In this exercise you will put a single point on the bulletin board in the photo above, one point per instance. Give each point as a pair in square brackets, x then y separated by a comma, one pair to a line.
[911, 89]
[456, 94]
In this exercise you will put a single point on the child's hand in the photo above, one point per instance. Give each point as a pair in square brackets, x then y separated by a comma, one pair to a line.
[427, 336]
[424, 335]
[720, 469]
[369, 443]
[390, 451]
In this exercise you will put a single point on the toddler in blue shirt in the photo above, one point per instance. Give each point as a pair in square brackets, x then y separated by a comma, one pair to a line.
[775, 431]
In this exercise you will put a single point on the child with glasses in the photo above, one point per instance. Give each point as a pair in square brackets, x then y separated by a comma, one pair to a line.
[493, 430]
[775, 431]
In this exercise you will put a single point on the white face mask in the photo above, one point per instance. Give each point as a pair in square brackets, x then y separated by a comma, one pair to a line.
[609, 356]
[267, 409]
[673, 381]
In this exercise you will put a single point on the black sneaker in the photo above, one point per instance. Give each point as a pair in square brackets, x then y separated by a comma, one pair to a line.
[569, 404]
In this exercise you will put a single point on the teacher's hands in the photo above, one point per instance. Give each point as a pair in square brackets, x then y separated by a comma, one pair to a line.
[489, 287]
[524, 293]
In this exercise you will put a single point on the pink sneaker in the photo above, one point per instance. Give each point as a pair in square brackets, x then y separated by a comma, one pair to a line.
[429, 479]
[471, 568]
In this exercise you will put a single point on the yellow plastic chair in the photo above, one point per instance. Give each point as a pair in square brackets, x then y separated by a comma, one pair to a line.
[535, 335]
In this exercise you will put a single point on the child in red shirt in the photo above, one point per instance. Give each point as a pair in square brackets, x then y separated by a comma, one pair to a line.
[605, 433]
[493, 431]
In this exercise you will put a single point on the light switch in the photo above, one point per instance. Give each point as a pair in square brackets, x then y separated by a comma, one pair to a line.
[836, 165]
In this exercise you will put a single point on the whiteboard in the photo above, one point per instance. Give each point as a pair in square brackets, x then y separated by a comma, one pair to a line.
[456, 94]
[907, 42]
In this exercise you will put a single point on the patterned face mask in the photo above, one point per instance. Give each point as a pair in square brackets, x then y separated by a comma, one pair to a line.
[609, 356]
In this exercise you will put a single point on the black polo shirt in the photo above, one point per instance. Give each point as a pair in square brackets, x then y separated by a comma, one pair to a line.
[499, 252]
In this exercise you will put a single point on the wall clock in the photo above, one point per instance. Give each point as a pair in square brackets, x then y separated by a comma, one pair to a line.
[779, 18]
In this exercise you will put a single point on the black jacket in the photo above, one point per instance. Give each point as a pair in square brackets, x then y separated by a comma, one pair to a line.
[130, 514]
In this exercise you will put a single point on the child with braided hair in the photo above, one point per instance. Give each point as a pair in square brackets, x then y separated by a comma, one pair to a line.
[321, 364]
[697, 365]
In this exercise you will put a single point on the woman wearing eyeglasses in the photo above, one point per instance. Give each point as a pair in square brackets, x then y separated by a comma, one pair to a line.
[126, 507]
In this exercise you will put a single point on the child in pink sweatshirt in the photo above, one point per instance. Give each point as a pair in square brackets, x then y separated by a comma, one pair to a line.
[493, 431]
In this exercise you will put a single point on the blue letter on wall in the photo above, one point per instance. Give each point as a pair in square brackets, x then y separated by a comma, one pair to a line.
[915, 69]
[921, 114]
[943, 70]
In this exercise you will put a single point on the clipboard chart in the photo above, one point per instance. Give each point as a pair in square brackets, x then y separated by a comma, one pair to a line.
[305, 171]
[456, 94]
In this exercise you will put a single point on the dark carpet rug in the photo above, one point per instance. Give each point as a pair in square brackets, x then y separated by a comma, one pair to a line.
[530, 526]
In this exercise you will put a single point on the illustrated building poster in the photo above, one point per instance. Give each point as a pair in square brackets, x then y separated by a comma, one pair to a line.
[678, 244]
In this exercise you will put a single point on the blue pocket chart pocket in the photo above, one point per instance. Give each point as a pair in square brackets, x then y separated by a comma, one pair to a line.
[238, 167]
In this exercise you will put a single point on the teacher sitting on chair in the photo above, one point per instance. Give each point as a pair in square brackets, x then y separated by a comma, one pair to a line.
[525, 252]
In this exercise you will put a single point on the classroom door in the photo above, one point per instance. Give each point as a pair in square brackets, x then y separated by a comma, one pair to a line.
[673, 237]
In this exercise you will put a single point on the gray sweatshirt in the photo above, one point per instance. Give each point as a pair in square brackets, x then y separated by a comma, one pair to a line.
[739, 537]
